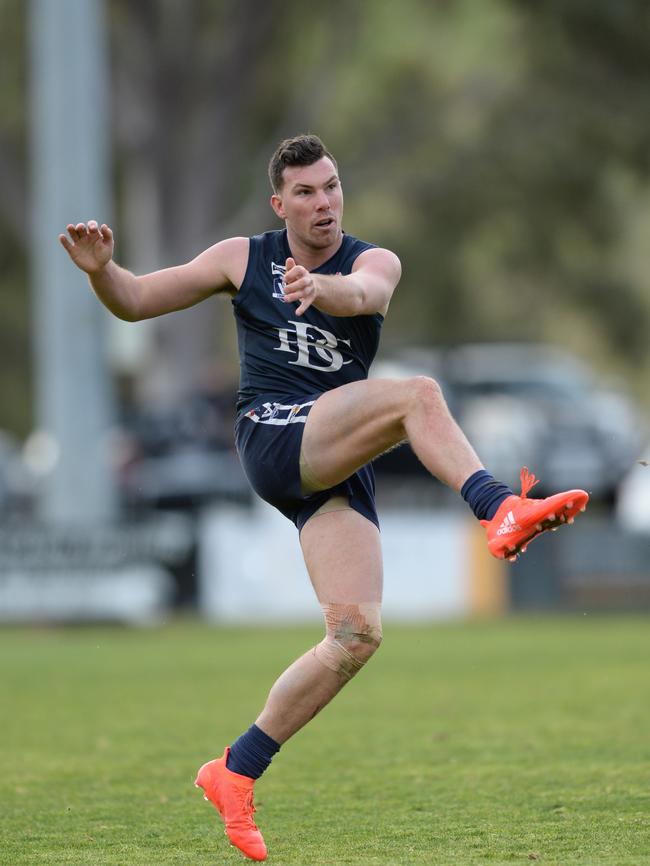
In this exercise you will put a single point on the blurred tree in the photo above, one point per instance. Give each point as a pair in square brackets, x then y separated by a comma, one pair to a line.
[527, 214]
[15, 390]
[203, 92]
[587, 83]
[577, 140]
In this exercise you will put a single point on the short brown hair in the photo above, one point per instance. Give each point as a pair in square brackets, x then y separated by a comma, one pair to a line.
[299, 150]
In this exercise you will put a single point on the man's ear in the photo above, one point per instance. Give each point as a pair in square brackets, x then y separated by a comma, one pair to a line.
[276, 204]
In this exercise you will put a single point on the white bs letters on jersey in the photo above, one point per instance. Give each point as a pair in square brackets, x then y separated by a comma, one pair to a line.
[310, 343]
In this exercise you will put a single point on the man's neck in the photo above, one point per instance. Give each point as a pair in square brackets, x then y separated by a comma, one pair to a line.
[311, 257]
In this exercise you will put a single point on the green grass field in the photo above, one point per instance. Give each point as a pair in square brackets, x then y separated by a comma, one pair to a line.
[525, 740]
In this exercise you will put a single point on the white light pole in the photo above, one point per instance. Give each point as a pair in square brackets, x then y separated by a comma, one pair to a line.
[70, 169]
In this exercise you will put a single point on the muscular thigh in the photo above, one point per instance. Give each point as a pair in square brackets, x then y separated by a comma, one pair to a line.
[349, 426]
[342, 552]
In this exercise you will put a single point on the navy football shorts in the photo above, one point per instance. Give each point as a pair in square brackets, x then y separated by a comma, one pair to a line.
[268, 439]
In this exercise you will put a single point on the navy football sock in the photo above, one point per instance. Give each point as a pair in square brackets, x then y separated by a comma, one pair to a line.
[251, 754]
[484, 494]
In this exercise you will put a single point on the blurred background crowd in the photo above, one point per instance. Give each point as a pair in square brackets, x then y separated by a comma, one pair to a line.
[500, 147]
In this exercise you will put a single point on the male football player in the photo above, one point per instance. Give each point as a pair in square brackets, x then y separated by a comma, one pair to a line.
[309, 301]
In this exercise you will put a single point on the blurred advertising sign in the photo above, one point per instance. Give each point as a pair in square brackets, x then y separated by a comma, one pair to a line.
[123, 573]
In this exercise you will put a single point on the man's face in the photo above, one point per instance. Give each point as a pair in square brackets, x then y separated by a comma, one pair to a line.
[311, 203]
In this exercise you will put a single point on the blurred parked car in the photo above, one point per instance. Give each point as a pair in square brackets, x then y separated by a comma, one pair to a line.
[182, 455]
[633, 506]
[536, 405]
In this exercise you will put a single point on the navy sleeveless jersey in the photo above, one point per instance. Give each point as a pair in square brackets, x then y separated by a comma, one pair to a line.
[284, 355]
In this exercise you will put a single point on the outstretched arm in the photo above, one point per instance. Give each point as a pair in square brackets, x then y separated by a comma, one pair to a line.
[130, 297]
[368, 289]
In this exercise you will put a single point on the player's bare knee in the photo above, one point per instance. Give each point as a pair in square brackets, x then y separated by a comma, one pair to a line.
[425, 390]
[361, 646]
[353, 635]
[360, 629]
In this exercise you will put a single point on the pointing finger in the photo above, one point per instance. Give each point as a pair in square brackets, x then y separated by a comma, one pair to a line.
[65, 242]
[80, 229]
[306, 303]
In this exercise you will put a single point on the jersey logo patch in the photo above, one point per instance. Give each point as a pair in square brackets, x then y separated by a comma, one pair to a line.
[313, 347]
[277, 272]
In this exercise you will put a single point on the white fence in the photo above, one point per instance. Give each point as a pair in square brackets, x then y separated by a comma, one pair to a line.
[251, 568]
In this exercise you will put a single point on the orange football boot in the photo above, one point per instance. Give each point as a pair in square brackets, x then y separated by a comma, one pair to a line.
[232, 794]
[519, 520]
